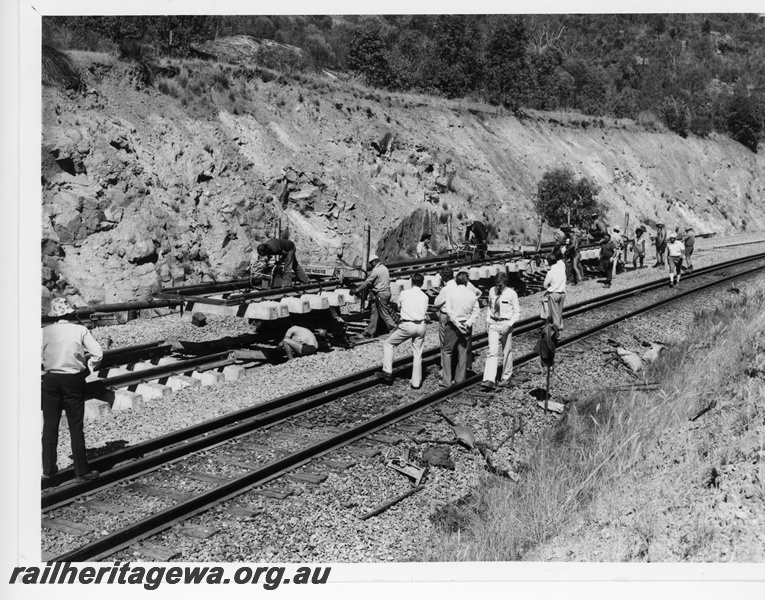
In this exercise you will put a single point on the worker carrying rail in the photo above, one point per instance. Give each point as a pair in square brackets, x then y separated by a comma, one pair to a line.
[284, 253]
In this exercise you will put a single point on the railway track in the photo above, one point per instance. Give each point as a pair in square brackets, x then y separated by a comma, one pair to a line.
[150, 456]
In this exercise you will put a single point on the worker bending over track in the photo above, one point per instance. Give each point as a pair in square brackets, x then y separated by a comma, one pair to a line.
[285, 251]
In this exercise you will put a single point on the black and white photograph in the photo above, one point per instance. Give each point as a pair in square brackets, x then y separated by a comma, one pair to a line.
[467, 296]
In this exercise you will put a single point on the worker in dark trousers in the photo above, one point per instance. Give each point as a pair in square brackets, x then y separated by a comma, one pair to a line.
[463, 310]
[449, 284]
[378, 283]
[285, 251]
[69, 354]
[607, 256]
[661, 244]
[477, 234]
[690, 241]
[572, 253]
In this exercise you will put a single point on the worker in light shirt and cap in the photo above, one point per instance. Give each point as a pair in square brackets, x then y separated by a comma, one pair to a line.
[378, 283]
[675, 251]
[69, 354]
[555, 293]
[413, 306]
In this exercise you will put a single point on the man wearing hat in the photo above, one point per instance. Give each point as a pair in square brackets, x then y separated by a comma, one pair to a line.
[423, 248]
[661, 244]
[675, 250]
[378, 283]
[285, 251]
[689, 240]
[65, 350]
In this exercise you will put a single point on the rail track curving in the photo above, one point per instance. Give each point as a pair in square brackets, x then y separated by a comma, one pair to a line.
[149, 456]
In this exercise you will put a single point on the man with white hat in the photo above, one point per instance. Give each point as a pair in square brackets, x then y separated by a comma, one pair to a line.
[675, 250]
[65, 347]
[378, 282]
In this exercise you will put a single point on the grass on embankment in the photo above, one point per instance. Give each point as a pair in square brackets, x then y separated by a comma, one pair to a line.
[604, 439]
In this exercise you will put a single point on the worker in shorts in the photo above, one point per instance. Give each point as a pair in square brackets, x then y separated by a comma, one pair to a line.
[675, 251]
[501, 314]
[638, 248]
[661, 244]
[413, 306]
[299, 341]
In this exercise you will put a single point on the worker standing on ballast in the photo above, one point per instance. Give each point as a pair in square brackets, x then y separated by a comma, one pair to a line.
[555, 293]
[284, 250]
[413, 308]
[501, 314]
[661, 244]
[689, 241]
[69, 355]
[675, 251]
[463, 310]
[378, 283]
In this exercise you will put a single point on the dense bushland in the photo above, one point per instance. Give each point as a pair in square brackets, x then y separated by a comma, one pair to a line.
[697, 73]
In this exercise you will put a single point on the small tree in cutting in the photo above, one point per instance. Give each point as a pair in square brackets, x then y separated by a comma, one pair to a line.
[561, 199]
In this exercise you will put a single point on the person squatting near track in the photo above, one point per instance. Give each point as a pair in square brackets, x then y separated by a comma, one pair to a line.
[555, 293]
[69, 355]
[448, 284]
[284, 250]
[675, 250]
[413, 306]
[689, 241]
[463, 310]
[299, 341]
[378, 282]
[638, 248]
[501, 314]
[661, 244]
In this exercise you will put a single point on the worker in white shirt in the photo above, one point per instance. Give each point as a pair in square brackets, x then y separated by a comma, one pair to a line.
[413, 306]
[503, 311]
[675, 250]
[555, 293]
[448, 284]
[463, 310]
[423, 247]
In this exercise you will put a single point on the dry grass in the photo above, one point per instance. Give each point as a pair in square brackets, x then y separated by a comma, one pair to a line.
[603, 439]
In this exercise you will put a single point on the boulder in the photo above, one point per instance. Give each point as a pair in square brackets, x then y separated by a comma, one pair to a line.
[438, 456]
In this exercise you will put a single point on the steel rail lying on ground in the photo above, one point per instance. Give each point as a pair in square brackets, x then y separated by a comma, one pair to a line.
[157, 522]
[206, 434]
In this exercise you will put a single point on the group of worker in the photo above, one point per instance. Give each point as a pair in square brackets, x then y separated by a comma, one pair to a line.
[457, 303]
[678, 248]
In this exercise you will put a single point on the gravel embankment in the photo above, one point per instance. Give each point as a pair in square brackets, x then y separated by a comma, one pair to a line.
[320, 522]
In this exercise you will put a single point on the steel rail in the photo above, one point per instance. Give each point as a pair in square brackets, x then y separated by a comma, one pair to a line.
[157, 522]
[209, 433]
